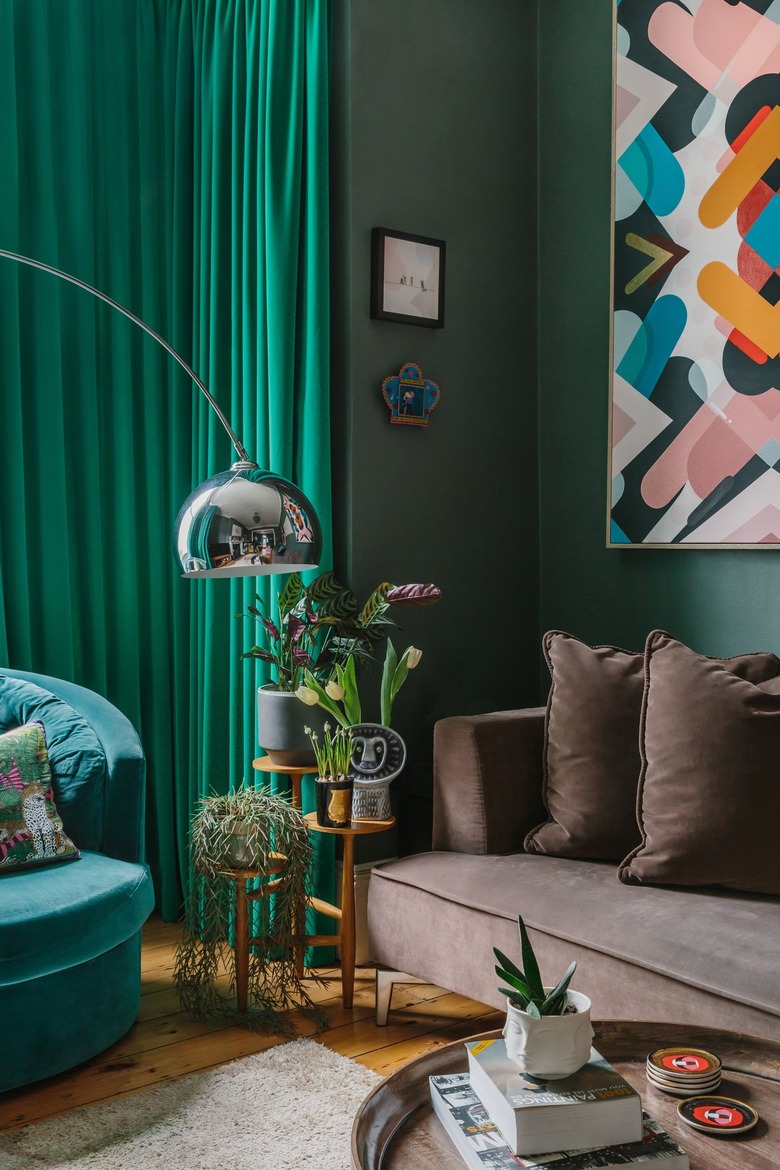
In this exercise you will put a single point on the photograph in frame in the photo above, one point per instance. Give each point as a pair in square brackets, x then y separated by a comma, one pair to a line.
[407, 278]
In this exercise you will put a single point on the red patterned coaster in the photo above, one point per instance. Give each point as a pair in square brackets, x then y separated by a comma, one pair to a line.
[723, 1116]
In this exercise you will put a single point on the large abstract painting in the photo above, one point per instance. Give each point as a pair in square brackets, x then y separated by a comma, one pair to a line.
[695, 431]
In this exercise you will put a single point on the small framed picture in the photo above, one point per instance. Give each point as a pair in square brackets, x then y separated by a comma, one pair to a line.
[407, 278]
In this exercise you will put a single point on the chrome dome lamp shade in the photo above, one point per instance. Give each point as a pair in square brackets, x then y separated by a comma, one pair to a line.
[243, 522]
[246, 522]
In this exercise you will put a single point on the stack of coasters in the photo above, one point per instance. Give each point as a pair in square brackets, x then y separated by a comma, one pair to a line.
[683, 1072]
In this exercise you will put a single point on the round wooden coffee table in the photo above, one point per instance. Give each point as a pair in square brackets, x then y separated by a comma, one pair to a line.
[396, 1129]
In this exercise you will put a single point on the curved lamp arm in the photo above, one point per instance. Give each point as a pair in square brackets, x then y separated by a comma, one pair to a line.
[244, 522]
[240, 450]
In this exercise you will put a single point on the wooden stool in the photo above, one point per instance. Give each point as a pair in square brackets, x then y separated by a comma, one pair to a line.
[242, 943]
[345, 914]
[296, 772]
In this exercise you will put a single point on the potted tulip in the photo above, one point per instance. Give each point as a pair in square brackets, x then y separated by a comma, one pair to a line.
[548, 1032]
[379, 754]
[316, 629]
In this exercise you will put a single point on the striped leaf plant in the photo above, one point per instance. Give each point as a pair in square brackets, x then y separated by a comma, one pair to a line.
[525, 988]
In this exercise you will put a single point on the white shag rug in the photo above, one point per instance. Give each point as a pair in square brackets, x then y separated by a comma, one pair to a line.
[288, 1108]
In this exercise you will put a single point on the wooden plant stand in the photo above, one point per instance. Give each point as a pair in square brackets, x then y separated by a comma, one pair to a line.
[243, 942]
[345, 915]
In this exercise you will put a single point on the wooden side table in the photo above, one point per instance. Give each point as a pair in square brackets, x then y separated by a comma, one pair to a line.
[242, 941]
[294, 771]
[346, 914]
[345, 939]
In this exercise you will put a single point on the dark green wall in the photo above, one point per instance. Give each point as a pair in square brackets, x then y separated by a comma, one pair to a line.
[434, 133]
[720, 602]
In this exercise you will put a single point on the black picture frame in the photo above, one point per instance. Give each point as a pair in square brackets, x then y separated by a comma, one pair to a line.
[401, 264]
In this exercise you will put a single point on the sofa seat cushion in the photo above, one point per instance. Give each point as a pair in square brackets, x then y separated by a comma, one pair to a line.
[58, 917]
[697, 936]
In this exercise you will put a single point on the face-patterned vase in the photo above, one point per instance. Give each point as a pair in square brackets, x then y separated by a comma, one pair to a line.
[378, 756]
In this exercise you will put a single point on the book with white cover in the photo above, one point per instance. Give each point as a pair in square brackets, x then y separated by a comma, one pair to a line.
[595, 1106]
[482, 1146]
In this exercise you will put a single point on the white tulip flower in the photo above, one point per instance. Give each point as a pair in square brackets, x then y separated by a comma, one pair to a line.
[334, 691]
[307, 696]
[414, 657]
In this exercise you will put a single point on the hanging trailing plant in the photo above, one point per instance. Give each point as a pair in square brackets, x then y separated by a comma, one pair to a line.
[247, 829]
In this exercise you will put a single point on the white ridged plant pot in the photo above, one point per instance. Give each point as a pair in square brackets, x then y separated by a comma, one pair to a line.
[554, 1046]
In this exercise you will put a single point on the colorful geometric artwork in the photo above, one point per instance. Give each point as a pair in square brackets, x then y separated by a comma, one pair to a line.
[695, 410]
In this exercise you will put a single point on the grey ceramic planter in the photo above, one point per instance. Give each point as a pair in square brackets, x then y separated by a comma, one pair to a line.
[281, 718]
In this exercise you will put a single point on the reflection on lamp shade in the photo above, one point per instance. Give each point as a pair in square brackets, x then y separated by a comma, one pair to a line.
[247, 522]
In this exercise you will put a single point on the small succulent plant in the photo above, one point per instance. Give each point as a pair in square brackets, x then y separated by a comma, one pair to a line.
[526, 990]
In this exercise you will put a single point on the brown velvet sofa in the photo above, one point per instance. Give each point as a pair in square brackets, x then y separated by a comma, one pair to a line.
[703, 955]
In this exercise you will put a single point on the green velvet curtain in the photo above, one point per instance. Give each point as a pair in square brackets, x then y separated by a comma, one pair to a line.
[172, 153]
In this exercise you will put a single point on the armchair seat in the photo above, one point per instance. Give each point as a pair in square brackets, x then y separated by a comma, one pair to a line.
[64, 915]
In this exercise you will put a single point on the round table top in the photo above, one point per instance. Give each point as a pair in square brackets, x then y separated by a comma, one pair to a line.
[266, 764]
[356, 829]
[396, 1127]
[275, 863]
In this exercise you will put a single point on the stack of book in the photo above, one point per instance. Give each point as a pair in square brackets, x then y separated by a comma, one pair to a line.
[500, 1119]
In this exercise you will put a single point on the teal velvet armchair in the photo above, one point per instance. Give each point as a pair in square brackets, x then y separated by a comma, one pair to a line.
[70, 933]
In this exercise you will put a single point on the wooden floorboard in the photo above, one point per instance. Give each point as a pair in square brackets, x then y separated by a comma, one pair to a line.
[165, 1043]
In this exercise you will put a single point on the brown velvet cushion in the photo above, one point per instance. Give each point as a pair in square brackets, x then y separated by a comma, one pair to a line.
[592, 753]
[708, 801]
[591, 763]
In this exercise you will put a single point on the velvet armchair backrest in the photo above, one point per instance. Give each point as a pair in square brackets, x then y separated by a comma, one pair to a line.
[97, 763]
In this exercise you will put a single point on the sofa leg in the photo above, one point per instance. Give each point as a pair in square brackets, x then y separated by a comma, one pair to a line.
[385, 981]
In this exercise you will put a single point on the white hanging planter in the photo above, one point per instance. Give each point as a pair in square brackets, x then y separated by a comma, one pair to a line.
[551, 1047]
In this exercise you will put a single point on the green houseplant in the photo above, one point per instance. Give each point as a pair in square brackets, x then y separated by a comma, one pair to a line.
[317, 629]
[248, 829]
[321, 625]
[548, 1031]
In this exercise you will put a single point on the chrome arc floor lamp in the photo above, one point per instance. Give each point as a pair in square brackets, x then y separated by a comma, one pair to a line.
[243, 522]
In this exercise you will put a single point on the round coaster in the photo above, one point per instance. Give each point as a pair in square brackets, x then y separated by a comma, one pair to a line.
[683, 1062]
[717, 1115]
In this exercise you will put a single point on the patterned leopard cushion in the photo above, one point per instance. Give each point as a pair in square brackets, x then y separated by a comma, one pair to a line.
[31, 831]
